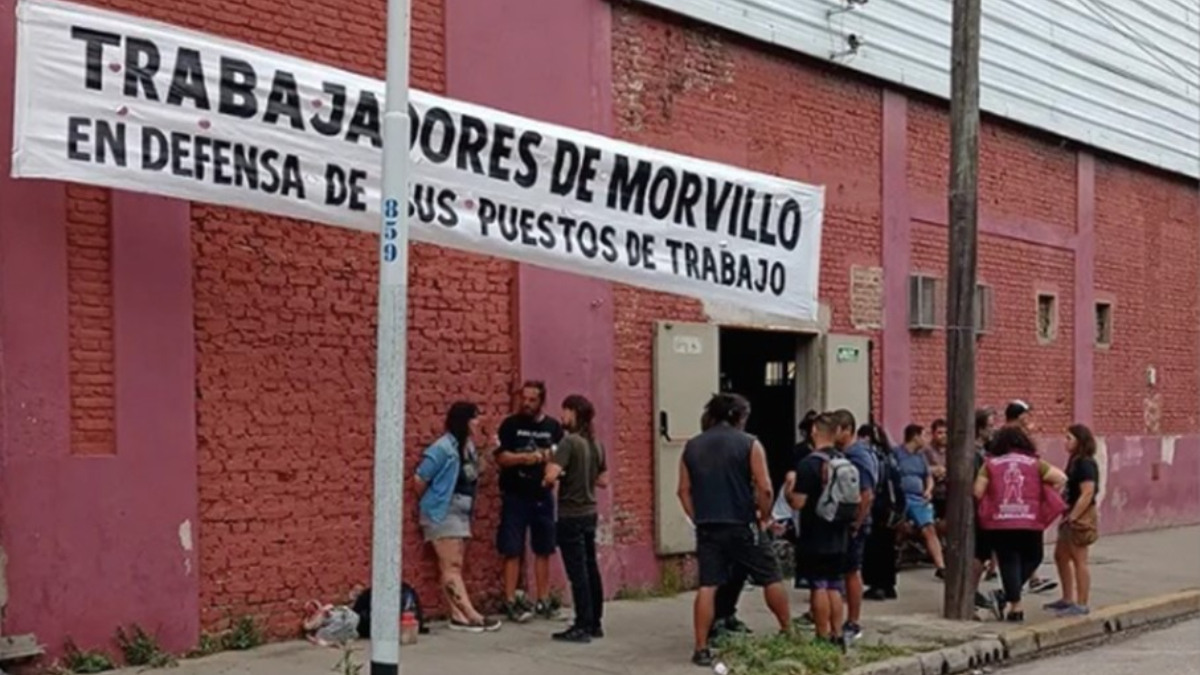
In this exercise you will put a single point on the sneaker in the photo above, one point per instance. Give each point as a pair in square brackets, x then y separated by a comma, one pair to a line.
[1015, 617]
[840, 643]
[997, 605]
[806, 619]
[491, 625]
[851, 631]
[517, 611]
[1075, 610]
[1058, 605]
[982, 601]
[703, 657]
[573, 634]
[464, 627]
[1042, 585]
[891, 593]
[596, 632]
[736, 625]
[545, 609]
[876, 594]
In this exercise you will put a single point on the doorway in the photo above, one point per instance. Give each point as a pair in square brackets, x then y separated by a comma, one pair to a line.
[771, 369]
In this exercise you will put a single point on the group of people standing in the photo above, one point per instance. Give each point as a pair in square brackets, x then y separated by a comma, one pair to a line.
[550, 471]
[846, 500]
[852, 497]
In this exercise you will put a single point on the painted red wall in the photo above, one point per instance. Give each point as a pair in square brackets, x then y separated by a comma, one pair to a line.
[250, 400]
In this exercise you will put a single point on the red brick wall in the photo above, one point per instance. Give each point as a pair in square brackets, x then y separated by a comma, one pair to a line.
[1147, 265]
[285, 326]
[90, 321]
[701, 92]
[1022, 176]
[1011, 351]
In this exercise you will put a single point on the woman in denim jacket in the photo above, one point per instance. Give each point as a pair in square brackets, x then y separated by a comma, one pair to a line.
[446, 481]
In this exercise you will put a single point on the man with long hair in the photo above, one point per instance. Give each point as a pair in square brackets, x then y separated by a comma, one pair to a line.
[725, 489]
[527, 442]
[579, 467]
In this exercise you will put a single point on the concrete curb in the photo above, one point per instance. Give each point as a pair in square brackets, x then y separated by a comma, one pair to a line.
[1032, 641]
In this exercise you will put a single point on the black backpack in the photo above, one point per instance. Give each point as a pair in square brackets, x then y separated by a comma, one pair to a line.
[409, 602]
[890, 506]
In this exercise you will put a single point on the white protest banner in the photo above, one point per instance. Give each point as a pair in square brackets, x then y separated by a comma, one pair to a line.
[114, 100]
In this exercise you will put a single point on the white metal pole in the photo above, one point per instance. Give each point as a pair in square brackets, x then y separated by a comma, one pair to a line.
[392, 348]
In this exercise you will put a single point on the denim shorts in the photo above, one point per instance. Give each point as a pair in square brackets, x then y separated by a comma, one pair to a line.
[456, 524]
[920, 513]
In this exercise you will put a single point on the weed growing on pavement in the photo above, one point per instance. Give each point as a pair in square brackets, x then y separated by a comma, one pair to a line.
[76, 660]
[139, 648]
[242, 635]
[209, 644]
[796, 654]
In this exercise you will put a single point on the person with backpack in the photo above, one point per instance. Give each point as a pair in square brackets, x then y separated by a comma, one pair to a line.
[887, 513]
[859, 453]
[1018, 498]
[828, 497]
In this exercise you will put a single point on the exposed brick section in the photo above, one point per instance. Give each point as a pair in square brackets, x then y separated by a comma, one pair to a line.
[89, 281]
[1022, 172]
[1011, 362]
[699, 91]
[1147, 265]
[286, 349]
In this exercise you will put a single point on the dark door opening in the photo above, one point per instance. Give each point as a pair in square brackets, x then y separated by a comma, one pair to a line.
[762, 366]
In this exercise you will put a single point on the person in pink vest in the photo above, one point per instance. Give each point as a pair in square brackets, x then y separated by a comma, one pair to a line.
[1015, 508]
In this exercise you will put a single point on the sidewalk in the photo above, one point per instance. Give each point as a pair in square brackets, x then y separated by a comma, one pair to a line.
[654, 636]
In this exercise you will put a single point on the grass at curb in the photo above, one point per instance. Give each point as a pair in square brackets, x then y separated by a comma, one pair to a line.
[797, 654]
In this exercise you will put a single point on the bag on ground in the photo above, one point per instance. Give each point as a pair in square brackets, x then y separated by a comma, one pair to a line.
[328, 625]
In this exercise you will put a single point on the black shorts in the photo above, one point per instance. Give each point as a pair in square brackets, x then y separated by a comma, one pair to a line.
[823, 571]
[858, 546]
[719, 548]
[519, 515]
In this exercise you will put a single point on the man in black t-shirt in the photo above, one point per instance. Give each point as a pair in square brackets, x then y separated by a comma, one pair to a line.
[823, 550]
[527, 442]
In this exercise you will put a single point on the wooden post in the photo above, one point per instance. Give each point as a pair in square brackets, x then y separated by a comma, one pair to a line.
[960, 305]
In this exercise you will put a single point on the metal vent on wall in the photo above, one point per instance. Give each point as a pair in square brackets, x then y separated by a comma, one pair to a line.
[923, 302]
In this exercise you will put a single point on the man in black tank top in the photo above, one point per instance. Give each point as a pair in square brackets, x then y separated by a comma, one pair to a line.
[725, 489]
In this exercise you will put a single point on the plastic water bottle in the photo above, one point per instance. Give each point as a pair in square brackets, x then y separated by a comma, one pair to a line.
[409, 628]
[720, 668]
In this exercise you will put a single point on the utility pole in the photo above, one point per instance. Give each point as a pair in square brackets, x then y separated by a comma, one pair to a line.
[960, 305]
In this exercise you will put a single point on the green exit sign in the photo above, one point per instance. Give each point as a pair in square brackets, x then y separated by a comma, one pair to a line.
[847, 354]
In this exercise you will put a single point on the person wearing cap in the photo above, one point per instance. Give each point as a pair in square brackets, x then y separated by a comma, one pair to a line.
[1019, 413]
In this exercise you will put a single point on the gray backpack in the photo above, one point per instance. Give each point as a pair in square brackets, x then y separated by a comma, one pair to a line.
[841, 495]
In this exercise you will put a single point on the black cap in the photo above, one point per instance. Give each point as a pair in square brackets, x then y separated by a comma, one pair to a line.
[1015, 409]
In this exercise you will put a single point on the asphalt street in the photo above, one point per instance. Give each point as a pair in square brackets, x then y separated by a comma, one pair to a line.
[1173, 651]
